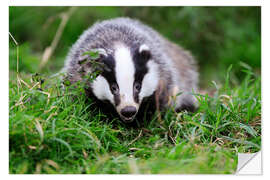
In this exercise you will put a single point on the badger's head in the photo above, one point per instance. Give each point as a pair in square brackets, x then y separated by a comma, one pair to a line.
[129, 75]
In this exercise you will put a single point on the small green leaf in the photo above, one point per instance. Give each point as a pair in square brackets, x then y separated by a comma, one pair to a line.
[67, 83]
[82, 61]
[93, 54]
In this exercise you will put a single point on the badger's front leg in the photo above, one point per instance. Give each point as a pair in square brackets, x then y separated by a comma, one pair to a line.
[186, 101]
[174, 98]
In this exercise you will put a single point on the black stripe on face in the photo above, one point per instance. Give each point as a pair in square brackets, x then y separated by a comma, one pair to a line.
[140, 60]
[109, 74]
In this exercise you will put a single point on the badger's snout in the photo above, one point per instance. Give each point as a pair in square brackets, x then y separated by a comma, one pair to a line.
[128, 111]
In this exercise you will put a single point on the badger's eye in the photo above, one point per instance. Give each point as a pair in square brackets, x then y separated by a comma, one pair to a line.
[114, 88]
[137, 86]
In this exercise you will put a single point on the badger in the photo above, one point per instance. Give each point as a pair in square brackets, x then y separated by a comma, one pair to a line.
[139, 64]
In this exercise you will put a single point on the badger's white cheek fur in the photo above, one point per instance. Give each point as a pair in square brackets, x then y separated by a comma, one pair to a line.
[150, 80]
[101, 89]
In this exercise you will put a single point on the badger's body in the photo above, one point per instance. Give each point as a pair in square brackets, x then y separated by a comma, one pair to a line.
[139, 63]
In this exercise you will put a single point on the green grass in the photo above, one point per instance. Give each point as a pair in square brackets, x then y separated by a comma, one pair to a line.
[60, 131]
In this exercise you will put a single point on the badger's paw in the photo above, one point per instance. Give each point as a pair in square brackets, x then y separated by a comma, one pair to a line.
[187, 102]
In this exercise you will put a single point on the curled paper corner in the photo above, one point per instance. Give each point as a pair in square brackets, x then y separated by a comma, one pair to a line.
[249, 163]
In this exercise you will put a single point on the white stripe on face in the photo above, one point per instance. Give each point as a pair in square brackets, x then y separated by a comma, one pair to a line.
[101, 89]
[125, 72]
[150, 80]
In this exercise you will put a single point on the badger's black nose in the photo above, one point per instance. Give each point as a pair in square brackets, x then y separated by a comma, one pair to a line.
[128, 111]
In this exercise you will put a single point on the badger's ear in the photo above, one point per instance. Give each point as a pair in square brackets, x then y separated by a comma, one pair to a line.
[144, 52]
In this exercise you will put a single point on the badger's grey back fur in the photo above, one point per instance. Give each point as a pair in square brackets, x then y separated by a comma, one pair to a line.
[177, 68]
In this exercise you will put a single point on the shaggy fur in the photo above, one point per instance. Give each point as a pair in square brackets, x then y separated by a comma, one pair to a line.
[176, 67]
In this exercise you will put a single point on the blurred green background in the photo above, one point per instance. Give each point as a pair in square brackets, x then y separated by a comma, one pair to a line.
[216, 36]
